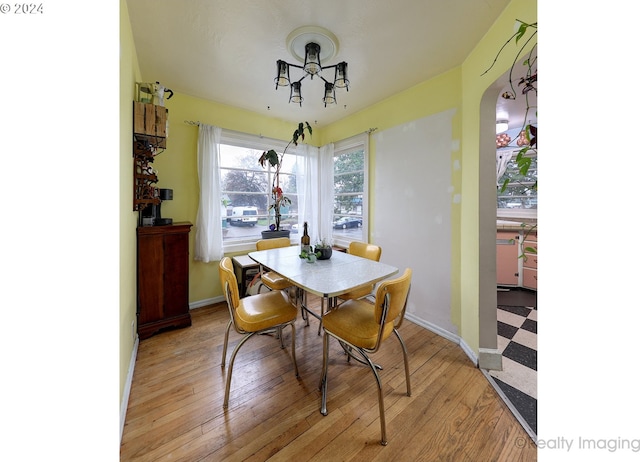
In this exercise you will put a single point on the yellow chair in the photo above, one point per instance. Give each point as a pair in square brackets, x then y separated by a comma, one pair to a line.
[270, 279]
[361, 329]
[257, 314]
[364, 250]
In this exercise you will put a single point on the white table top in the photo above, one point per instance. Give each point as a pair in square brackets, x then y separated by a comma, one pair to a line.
[326, 278]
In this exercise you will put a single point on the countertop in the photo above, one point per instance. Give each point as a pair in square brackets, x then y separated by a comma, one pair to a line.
[513, 225]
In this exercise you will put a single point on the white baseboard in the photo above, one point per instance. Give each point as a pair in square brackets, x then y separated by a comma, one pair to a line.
[433, 328]
[446, 334]
[469, 352]
[490, 359]
[206, 301]
[127, 386]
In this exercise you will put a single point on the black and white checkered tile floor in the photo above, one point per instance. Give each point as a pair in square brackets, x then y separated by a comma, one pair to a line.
[517, 341]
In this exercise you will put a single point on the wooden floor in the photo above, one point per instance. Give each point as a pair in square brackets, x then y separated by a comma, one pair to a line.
[175, 406]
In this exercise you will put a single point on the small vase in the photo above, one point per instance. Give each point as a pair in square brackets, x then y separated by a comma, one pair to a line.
[311, 258]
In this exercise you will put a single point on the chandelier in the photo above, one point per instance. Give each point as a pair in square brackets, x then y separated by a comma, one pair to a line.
[312, 46]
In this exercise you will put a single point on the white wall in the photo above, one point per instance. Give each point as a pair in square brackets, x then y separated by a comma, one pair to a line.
[413, 192]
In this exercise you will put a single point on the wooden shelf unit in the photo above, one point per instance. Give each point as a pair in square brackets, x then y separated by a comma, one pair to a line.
[149, 139]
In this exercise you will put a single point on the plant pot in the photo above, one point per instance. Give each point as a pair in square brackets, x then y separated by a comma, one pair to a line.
[268, 234]
[325, 253]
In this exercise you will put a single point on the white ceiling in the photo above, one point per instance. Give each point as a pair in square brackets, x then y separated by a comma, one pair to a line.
[226, 50]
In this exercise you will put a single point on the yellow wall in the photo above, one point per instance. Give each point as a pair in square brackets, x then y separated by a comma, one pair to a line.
[478, 225]
[459, 89]
[129, 74]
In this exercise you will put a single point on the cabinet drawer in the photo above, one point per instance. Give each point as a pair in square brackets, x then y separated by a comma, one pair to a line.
[530, 278]
[529, 244]
[531, 260]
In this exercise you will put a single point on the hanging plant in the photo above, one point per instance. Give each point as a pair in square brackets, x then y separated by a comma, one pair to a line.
[271, 157]
[528, 138]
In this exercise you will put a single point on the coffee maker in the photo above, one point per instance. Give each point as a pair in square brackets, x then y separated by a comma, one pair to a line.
[151, 215]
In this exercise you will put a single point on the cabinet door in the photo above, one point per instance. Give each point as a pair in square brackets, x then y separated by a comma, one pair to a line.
[150, 278]
[530, 278]
[530, 263]
[176, 274]
[507, 251]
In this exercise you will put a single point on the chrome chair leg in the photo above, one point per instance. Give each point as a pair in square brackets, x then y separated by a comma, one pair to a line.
[325, 367]
[293, 346]
[225, 404]
[406, 361]
[383, 430]
[348, 350]
[372, 366]
[226, 341]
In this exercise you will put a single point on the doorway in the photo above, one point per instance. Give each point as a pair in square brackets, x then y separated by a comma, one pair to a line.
[516, 307]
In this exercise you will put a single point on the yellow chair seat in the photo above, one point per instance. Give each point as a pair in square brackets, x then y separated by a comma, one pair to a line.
[364, 250]
[357, 293]
[258, 313]
[270, 279]
[274, 281]
[354, 322]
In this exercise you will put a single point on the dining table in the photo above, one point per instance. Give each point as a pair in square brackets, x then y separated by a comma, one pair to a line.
[328, 279]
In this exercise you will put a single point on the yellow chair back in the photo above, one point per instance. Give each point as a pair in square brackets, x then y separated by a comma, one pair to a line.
[365, 250]
[392, 296]
[266, 244]
[230, 283]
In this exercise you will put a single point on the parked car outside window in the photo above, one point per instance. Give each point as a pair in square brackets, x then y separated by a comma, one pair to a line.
[347, 222]
[247, 216]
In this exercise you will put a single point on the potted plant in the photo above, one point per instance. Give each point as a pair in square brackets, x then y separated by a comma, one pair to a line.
[278, 198]
[310, 256]
[323, 250]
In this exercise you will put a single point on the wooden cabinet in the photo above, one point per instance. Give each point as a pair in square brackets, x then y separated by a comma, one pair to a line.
[530, 261]
[163, 278]
[507, 252]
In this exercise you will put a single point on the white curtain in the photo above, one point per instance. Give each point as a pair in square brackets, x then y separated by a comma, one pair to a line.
[315, 191]
[208, 221]
[307, 185]
[325, 194]
[502, 159]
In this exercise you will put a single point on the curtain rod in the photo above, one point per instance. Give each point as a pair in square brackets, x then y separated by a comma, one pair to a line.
[191, 122]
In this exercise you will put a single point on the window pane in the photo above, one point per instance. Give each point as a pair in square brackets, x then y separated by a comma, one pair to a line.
[348, 194]
[246, 193]
[521, 191]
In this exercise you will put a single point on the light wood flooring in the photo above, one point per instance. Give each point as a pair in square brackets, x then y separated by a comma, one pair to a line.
[175, 406]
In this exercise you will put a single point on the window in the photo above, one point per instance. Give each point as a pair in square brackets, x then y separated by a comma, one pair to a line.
[350, 167]
[520, 194]
[245, 187]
